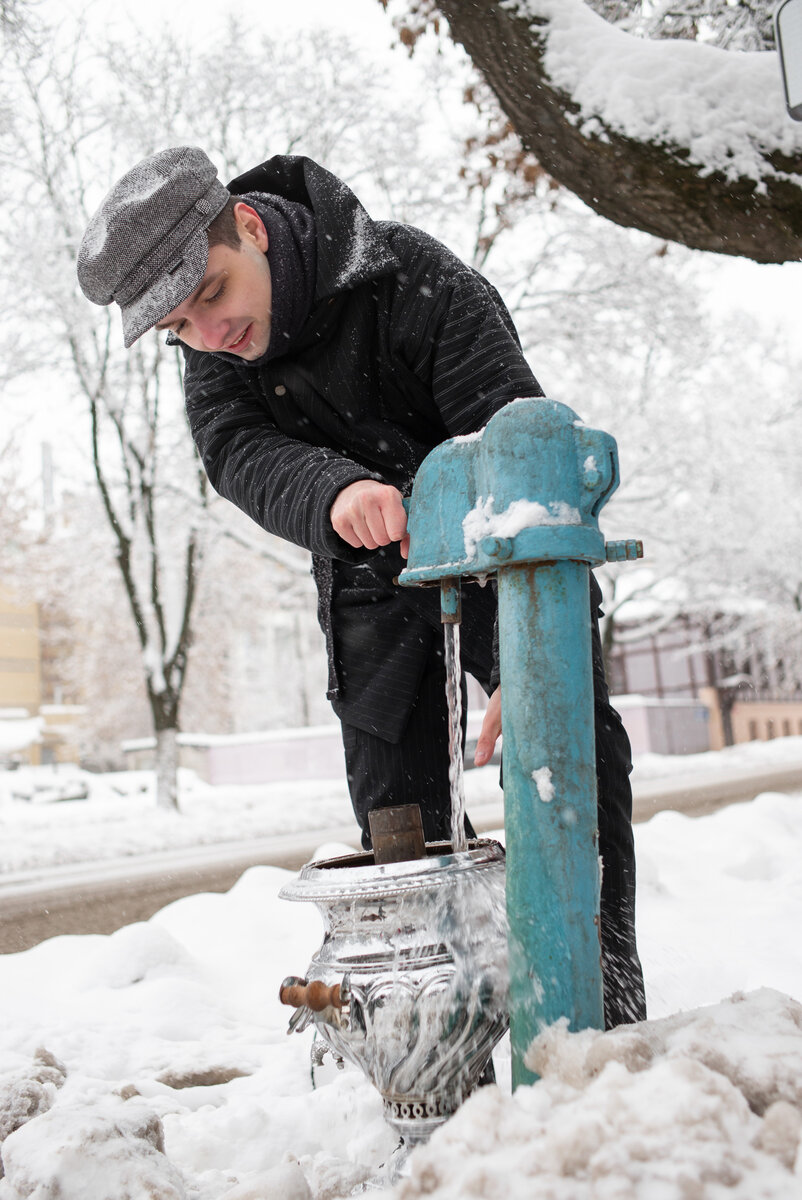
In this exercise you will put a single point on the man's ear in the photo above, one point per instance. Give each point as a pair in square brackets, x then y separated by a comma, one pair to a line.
[251, 226]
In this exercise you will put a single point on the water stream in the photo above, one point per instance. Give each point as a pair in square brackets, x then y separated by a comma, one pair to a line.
[459, 839]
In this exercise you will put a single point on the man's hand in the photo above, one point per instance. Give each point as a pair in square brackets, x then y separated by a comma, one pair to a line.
[370, 514]
[490, 732]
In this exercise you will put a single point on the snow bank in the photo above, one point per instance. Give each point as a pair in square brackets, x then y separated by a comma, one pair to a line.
[177, 1077]
[699, 1104]
[91, 1151]
[121, 818]
[19, 734]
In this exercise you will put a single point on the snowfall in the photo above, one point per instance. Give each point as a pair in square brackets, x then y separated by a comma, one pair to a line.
[155, 1062]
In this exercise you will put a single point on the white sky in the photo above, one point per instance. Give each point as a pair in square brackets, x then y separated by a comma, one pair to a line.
[363, 19]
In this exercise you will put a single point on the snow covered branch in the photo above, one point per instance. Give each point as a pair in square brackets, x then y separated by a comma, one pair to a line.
[681, 139]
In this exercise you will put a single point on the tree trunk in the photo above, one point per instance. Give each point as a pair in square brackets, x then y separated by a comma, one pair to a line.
[726, 700]
[167, 769]
[643, 185]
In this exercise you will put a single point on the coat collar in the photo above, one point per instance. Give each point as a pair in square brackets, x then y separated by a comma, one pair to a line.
[350, 248]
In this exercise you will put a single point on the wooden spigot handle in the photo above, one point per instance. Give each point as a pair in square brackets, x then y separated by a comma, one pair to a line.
[314, 995]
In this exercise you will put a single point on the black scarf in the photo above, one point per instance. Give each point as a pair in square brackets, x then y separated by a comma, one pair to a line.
[292, 257]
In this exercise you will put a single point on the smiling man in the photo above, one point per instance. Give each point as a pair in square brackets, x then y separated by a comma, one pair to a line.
[231, 307]
[326, 355]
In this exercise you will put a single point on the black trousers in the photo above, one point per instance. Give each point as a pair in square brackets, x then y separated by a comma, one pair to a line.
[414, 770]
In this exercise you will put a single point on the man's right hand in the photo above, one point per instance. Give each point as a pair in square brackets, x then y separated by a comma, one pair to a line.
[370, 514]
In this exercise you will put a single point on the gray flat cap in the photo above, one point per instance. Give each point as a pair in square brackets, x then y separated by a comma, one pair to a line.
[146, 246]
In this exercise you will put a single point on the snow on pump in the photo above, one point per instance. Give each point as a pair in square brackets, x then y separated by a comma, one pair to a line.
[521, 501]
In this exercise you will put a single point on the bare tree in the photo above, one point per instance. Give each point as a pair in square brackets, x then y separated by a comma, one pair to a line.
[725, 176]
[125, 397]
[17, 17]
[732, 24]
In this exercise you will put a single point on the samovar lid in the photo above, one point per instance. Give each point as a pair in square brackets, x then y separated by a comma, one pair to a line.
[356, 875]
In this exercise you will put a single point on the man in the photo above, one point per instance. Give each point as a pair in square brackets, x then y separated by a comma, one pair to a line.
[326, 355]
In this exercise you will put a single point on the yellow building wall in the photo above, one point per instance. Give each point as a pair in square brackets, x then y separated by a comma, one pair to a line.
[20, 659]
[754, 720]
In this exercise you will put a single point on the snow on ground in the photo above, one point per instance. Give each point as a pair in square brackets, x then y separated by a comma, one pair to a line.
[119, 818]
[748, 756]
[42, 826]
[19, 732]
[703, 1104]
[154, 1062]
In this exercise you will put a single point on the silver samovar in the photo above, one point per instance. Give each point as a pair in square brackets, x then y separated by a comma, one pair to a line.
[410, 983]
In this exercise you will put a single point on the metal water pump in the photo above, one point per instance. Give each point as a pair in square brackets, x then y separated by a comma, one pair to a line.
[520, 501]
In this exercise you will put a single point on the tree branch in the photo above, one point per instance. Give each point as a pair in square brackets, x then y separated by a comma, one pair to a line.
[650, 185]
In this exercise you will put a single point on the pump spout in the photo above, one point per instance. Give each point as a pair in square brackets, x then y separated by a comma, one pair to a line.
[450, 602]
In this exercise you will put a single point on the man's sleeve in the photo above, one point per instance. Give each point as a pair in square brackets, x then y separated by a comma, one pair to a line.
[286, 486]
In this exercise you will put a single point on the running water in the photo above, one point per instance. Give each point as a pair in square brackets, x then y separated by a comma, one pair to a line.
[459, 840]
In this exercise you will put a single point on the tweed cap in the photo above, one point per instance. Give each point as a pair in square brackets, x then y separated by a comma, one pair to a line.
[146, 246]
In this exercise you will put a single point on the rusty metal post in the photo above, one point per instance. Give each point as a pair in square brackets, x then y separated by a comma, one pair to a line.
[521, 501]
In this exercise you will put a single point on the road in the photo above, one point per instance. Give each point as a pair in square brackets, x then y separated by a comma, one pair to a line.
[90, 898]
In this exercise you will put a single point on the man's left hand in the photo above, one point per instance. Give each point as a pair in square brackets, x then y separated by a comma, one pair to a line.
[490, 731]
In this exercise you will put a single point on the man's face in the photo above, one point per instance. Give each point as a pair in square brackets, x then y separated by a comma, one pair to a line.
[231, 307]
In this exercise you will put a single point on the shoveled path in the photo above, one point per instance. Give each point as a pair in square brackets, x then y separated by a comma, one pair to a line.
[99, 898]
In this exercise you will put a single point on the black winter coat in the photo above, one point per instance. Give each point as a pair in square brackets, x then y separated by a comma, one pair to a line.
[405, 346]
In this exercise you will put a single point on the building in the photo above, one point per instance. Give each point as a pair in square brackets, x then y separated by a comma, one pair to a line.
[665, 682]
[30, 731]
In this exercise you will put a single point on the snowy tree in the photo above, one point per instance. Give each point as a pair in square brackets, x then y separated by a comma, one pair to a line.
[158, 544]
[16, 17]
[608, 315]
[679, 136]
[233, 683]
[745, 566]
[617, 324]
[91, 656]
[78, 116]
[14, 507]
[722, 532]
[731, 24]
